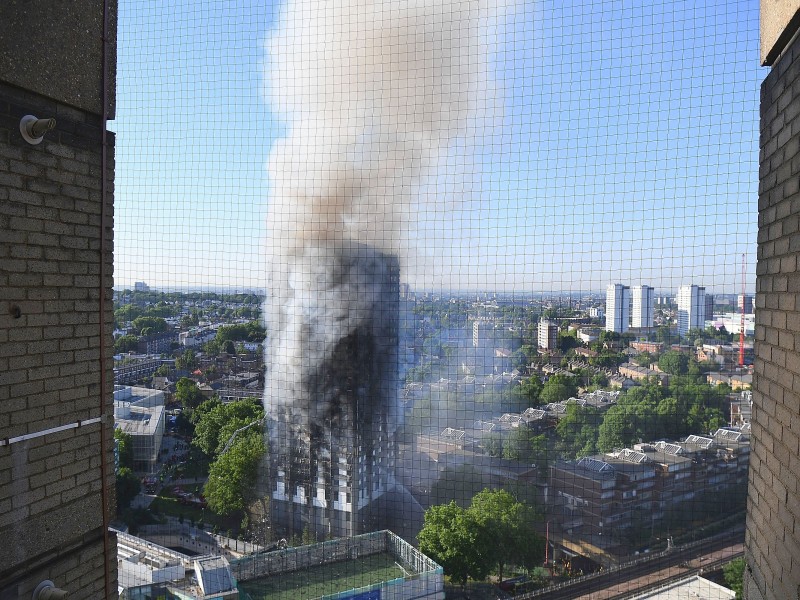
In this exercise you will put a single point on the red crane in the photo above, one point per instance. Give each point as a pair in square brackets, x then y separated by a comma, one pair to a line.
[741, 324]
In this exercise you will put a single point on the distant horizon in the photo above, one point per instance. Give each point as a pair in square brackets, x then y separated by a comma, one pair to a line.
[262, 292]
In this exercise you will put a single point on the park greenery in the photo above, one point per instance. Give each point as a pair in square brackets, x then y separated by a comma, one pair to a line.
[229, 435]
[495, 531]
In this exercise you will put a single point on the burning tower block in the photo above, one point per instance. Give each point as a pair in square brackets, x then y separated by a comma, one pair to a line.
[331, 389]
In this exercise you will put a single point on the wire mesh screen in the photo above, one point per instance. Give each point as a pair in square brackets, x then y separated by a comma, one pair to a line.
[477, 273]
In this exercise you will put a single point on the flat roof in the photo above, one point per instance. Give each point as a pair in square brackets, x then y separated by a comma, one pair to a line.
[323, 580]
[691, 587]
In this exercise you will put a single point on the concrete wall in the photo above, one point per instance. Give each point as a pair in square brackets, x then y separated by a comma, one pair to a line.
[55, 50]
[779, 22]
[51, 493]
[773, 525]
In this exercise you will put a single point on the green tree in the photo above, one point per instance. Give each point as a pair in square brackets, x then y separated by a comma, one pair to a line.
[505, 530]
[674, 363]
[192, 319]
[526, 394]
[149, 325]
[162, 371]
[188, 393]
[599, 380]
[493, 444]
[645, 359]
[126, 314]
[205, 407]
[635, 417]
[126, 343]
[694, 335]
[212, 347]
[218, 422]
[124, 443]
[186, 361]
[609, 337]
[577, 431]
[549, 314]
[450, 538]
[422, 415]
[517, 445]
[615, 430]
[523, 445]
[607, 359]
[252, 331]
[523, 357]
[419, 373]
[128, 486]
[664, 334]
[232, 476]
[566, 341]
[558, 389]
[733, 573]
[161, 310]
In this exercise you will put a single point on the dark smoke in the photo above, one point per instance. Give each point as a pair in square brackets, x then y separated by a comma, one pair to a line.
[333, 290]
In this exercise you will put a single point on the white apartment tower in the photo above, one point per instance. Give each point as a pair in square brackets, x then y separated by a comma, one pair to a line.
[548, 335]
[642, 307]
[618, 307]
[691, 308]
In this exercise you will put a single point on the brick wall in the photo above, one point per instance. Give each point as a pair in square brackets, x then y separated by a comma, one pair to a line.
[51, 500]
[773, 526]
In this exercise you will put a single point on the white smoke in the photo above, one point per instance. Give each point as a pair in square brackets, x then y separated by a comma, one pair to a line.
[374, 94]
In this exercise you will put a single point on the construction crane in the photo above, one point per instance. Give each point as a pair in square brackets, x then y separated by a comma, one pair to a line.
[741, 323]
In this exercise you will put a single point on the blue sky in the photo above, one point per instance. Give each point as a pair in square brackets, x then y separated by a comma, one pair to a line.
[626, 150]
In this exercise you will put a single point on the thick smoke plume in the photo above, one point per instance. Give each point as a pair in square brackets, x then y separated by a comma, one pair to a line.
[375, 96]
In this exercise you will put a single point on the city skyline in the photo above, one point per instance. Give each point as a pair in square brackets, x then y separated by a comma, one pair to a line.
[621, 162]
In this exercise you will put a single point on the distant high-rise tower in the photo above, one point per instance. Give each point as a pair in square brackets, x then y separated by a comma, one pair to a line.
[548, 335]
[642, 309]
[745, 304]
[691, 308]
[709, 311]
[618, 307]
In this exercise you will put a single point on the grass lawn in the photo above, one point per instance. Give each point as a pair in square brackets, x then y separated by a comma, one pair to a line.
[324, 579]
[167, 504]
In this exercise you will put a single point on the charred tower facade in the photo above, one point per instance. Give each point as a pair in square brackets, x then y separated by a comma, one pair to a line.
[331, 392]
